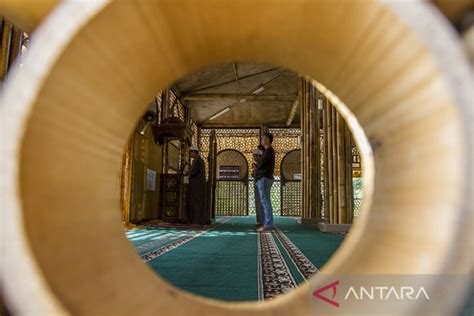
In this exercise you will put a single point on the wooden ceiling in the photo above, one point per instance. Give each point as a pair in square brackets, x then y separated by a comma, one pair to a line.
[238, 86]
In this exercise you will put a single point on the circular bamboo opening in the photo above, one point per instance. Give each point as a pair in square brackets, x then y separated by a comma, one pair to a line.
[70, 110]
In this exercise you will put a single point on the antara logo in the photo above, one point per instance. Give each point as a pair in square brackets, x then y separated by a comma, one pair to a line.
[371, 293]
[331, 300]
[386, 293]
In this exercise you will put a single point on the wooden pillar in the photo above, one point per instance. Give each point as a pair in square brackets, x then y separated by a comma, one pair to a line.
[330, 141]
[341, 169]
[309, 147]
[310, 153]
[164, 115]
[335, 187]
[325, 158]
[337, 166]
[315, 159]
[212, 179]
[348, 167]
[304, 148]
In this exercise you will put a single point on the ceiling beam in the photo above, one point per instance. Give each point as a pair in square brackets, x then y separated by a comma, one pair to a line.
[252, 93]
[232, 96]
[229, 81]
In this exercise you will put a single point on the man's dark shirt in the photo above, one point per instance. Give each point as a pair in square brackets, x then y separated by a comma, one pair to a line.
[266, 165]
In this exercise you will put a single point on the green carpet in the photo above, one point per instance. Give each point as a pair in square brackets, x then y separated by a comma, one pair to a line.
[224, 263]
[317, 246]
[148, 239]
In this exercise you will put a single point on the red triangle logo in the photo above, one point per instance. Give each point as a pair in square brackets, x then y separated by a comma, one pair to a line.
[333, 286]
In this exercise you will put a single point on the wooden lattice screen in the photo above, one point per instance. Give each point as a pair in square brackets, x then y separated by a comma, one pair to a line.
[291, 184]
[244, 140]
[232, 188]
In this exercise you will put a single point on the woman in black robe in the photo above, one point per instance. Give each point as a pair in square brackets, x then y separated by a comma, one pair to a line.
[197, 189]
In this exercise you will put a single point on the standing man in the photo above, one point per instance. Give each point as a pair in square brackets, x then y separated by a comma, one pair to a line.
[264, 177]
[257, 156]
[197, 189]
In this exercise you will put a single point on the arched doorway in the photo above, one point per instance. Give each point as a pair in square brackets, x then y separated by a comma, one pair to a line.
[232, 183]
[290, 171]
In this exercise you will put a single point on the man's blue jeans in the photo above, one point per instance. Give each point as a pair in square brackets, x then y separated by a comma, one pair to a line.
[258, 206]
[264, 185]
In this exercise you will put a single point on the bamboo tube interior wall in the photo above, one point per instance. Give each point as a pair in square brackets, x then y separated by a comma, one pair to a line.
[91, 78]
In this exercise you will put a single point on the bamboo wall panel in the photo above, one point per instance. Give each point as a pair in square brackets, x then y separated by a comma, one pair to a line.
[144, 204]
[405, 86]
[291, 195]
[285, 140]
[231, 198]
[243, 140]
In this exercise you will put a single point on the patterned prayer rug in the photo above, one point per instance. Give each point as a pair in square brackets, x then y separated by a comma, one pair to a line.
[231, 261]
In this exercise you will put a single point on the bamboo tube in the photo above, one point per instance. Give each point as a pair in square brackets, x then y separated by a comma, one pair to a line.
[316, 159]
[341, 162]
[302, 139]
[309, 182]
[304, 150]
[310, 151]
[212, 173]
[307, 144]
[348, 172]
[325, 161]
[330, 141]
[214, 178]
[312, 200]
[54, 91]
[335, 173]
